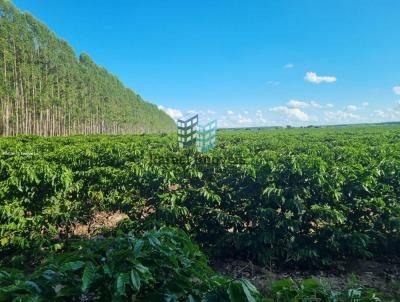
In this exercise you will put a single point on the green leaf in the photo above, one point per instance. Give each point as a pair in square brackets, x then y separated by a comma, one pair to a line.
[121, 281]
[191, 299]
[135, 280]
[141, 268]
[34, 286]
[107, 270]
[249, 285]
[49, 274]
[235, 292]
[72, 266]
[248, 294]
[138, 247]
[154, 241]
[4, 241]
[89, 275]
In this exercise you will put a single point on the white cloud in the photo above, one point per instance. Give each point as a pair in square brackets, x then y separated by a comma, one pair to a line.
[312, 77]
[365, 104]
[223, 122]
[302, 104]
[396, 90]
[211, 112]
[291, 113]
[260, 117]
[315, 105]
[273, 83]
[289, 65]
[389, 114]
[238, 120]
[297, 104]
[341, 116]
[244, 119]
[174, 113]
[330, 105]
[230, 112]
[351, 108]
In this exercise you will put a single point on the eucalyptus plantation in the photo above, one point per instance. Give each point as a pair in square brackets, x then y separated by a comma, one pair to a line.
[46, 90]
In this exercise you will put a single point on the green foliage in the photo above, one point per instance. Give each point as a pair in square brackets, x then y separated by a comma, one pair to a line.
[162, 265]
[288, 290]
[306, 197]
[46, 90]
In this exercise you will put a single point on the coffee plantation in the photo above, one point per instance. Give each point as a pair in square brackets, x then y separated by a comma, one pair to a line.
[292, 197]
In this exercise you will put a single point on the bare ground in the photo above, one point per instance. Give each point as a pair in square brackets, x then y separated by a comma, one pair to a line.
[100, 220]
[382, 276]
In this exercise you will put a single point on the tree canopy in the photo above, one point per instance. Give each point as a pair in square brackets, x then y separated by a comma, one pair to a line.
[46, 90]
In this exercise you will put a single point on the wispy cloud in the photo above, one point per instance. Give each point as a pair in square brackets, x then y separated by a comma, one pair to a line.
[341, 116]
[260, 117]
[312, 77]
[330, 105]
[351, 108]
[302, 104]
[230, 112]
[244, 119]
[174, 113]
[295, 113]
[388, 114]
[289, 65]
[396, 90]
[273, 83]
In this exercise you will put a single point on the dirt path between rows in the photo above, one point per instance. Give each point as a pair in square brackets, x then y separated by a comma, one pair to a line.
[383, 276]
[379, 275]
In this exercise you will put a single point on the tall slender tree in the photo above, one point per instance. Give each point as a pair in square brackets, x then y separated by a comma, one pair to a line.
[46, 90]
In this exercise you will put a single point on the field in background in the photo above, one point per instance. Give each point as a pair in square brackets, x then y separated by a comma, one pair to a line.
[287, 198]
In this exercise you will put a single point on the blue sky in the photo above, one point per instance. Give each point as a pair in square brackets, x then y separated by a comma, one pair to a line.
[245, 63]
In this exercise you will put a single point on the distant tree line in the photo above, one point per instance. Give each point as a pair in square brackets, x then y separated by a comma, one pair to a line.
[46, 90]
